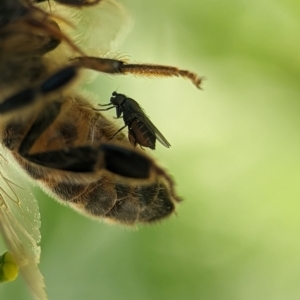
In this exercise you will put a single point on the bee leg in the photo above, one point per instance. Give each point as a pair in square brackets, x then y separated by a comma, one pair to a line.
[113, 66]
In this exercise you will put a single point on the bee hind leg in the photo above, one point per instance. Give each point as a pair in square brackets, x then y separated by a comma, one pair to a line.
[114, 66]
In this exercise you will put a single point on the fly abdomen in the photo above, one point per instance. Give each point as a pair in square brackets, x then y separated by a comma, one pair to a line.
[140, 134]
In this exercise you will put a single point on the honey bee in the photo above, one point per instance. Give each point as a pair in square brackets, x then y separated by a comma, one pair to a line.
[52, 135]
[140, 129]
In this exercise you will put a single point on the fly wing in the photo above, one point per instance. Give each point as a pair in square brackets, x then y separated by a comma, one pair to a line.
[20, 223]
[133, 109]
[153, 129]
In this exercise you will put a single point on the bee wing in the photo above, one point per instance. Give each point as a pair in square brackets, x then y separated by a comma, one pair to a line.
[154, 130]
[102, 26]
[20, 223]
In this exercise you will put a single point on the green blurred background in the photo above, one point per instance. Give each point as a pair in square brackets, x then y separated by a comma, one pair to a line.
[235, 157]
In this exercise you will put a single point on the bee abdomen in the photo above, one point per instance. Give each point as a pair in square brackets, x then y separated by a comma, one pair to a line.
[95, 199]
[142, 204]
[127, 207]
[116, 202]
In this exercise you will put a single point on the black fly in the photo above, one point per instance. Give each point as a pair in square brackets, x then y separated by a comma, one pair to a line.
[140, 129]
